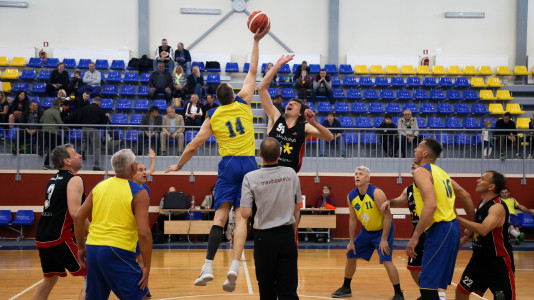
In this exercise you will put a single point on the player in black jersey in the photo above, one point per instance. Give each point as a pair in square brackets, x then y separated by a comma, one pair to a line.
[414, 264]
[291, 129]
[492, 263]
[64, 195]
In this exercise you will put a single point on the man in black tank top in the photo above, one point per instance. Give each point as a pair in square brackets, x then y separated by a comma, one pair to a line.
[492, 263]
[55, 233]
[164, 54]
[294, 127]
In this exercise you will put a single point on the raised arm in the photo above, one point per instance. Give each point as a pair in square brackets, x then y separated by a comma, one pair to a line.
[152, 156]
[263, 89]
[250, 81]
[315, 129]
[496, 217]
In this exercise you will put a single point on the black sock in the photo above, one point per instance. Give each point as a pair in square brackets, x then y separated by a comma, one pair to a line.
[214, 239]
[346, 283]
[429, 294]
[397, 289]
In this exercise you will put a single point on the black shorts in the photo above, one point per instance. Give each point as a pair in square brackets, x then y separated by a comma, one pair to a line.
[56, 259]
[495, 273]
[414, 264]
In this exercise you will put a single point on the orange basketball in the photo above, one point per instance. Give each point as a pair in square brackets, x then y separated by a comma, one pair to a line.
[257, 19]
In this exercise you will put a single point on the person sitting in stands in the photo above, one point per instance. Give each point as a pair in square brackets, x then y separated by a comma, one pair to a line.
[303, 85]
[18, 107]
[304, 66]
[179, 82]
[160, 81]
[267, 68]
[193, 112]
[92, 80]
[195, 82]
[183, 57]
[322, 86]
[389, 136]
[59, 79]
[164, 55]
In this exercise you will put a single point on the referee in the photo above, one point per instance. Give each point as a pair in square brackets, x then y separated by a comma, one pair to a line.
[276, 192]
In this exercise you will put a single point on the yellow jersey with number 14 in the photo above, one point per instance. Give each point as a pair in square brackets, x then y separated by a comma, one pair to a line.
[445, 196]
[233, 128]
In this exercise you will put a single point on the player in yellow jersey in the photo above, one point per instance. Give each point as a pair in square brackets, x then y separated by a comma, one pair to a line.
[377, 232]
[231, 124]
[434, 203]
[514, 220]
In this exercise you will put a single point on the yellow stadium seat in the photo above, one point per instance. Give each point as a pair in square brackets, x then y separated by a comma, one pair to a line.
[4, 62]
[478, 82]
[361, 69]
[487, 95]
[454, 70]
[504, 71]
[485, 70]
[392, 70]
[514, 109]
[496, 109]
[377, 69]
[522, 123]
[521, 70]
[494, 82]
[438, 70]
[470, 70]
[6, 87]
[423, 70]
[11, 74]
[18, 62]
[407, 70]
[504, 95]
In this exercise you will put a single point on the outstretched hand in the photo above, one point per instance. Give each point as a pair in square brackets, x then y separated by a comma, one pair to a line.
[284, 59]
[260, 34]
[172, 168]
[310, 116]
[385, 206]
[151, 154]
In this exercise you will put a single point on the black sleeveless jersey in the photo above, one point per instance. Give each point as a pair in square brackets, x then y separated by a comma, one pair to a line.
[56, 225]
[411, 204]
[495, 243]
[292, 140]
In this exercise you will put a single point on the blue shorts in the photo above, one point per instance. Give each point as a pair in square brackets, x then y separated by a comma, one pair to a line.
[232, 170]
[439, 256]
[367, 241]
[514, 220]
[112, 269]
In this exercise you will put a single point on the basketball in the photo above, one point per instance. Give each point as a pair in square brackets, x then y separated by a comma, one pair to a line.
[257, 19]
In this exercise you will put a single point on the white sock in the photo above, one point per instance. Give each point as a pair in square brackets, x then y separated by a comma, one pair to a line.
[441, 295]
[489, 151]
[208, 263]
[235, 266]
[515, 233]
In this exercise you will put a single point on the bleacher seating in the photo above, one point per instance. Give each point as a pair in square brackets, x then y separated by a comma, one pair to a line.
[23, 218]
[51, 63]
[4, 61]
[351, 138]
[377, 70]
[522, 123]
[494, 82]
[435, 123]
[504, 95]
[124, 104]
[462, 139]
[273, 92]
[350, 81]
[411, 107]
[445, 82]
[35, 62]
[288, 93]
[20, 86]
[214, 79]
[478, 82]
[398, 82]
[444, 138]
[421, 123]
[142, 91]
[135, 119]
[47, 103]
[413, 82]
[141, 105]
[470, 123]
[315, 68]
[358, 108]
[106, 103]
[489, 119]
[461, 108]
[420, 95]
[324, 107]
[11, 74]
[404, 94]
[83, 63]
[354, 94]
[521, 71]
[345, 69]
[231, 67]
[496, 109]
[28, 74]
[453, 123]
[114, 77]
[454, 71]
[454, 95]
[423, 70]
[485, 71]
[387, 94]
[101, 64]
[525, 220]
[370, 94]
[393, 108]
[110, 90]
[119, 119]
[392, 70]
[131, 135]
[363, 122]
[514, 109]
[369, 138]
[145, 77]
[376, 108]
[439, 70]
[341, 107]
[7, 87]
[346, 122]
[38, 88]
[44, 75]
[161, 104]
[471, 95]
[70, 63]
[479, 109]
[437, 95]
[361, 69]
[246, 67]
[381, 81]
[365, 81]
[5, 217]
[117, 65]
[430, 82]
[470, 70]
[427, 108]
[407, 70]
[487, 95]
[339, 94]
[445, 109]
[199, 64]
[75, 135]
[461, 82]
[131, 77]
[335, 81]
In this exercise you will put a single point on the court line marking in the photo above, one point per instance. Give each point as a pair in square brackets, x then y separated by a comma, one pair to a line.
[22, 293]
[471, 293]
[247, 276]
[216, 295]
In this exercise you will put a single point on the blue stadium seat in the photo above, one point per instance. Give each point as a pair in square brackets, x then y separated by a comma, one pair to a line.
[428, 108]
[135, 119]
[143, 91]
[295, 67]
[118, 65]
[366, 81]
[28, 74]
[310, 105]
[358, 108]
[20, 86]
[393, 108]
[363, 122]
[11, 134]
[378, 120]
[273, 92]
[145, 77]
[351, 138]
[190, 135]
[398, 82]
[246, 67]
[345, 69]
[370, 94]
[131, 135]
[470, 123]
[161, 104]
[106, 103]
[83, 63]
[141, 105]
[454, 95]
[350, 81]
[315, 68]
[5, 217]
[38, 88]
[119, 119]
[525, 220]
[44, 75]
[213, 79]
[335, 81]
[411, 106]
[420, 123]
[199, 64]
[444, 138]
[47, 103]
[404, 94]
[339, 94]
[285, 80]
[462, 82]
[124, 104]
[285, 69]
[479, 109]
[381, 81]
[445, 82]
[354, 94]
[461, 108]
[387, 94]
[369, 138]
[376, 108]
[445, 109]
[70, 63]
[429, 82]
[453, 123]
[462, 139]
[346, 122]
[23, 217]
[131, 77]
[114, 77]
[231, 67]
[35, 62]
[482, 120]
[435, 123]
[341, 108]
[330, 69]
[476, 139]
[437, 95]
[288, 93]
[420, 95]
[110, 90]
[51, 63]
[413, 82]
[471, 95]
[324, 107]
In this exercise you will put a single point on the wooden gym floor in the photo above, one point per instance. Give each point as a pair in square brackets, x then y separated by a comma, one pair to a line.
[320, 274]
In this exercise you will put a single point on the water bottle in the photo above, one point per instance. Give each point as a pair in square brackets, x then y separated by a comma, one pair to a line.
[192, 202]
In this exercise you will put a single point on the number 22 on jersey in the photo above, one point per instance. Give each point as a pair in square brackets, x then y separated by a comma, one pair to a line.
[238, 127]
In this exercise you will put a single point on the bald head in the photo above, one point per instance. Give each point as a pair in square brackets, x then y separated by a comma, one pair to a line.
[270, 150]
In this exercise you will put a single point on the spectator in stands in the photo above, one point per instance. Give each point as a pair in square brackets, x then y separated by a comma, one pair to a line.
[512, 205]
[150, 129]
[4, 108]
[332, 122]
[267, 68]
[208, 200]
[389, 136]
[408, 130]
[487, 139]
[173, 128]
[304, 66]
[160, 81]
[183, 57]
[89, 115]
[164, 54]
[303, 85]
[30, 130]
[277, 102]
[322, 86]
[210, 104]
[530, 136]
[51, 133]
[76, 82]
[19, 105]
[193, 112]
[179, 82]
[59, 79]
[506, 138]
[92, 80]
[76, 106]
[195, 82]
[326, 197]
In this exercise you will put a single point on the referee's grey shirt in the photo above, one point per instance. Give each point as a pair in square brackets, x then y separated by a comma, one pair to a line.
[275, 190]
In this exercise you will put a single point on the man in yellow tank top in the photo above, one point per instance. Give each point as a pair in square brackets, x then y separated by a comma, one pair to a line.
[434, 203]
[377, 232]
[231, 124]
[512, 205]
[119, 210]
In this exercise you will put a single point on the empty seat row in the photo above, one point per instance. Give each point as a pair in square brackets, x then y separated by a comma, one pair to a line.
[424, 108]
[431, 122]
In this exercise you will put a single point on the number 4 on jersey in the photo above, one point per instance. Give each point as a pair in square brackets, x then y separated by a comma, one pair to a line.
[238, 127]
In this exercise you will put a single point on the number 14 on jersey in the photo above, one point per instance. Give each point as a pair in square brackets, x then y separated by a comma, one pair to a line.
[238, 127]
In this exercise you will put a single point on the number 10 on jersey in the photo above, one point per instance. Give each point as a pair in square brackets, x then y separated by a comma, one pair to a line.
[238, 127]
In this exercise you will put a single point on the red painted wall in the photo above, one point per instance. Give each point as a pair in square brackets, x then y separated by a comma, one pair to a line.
[31, 191]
